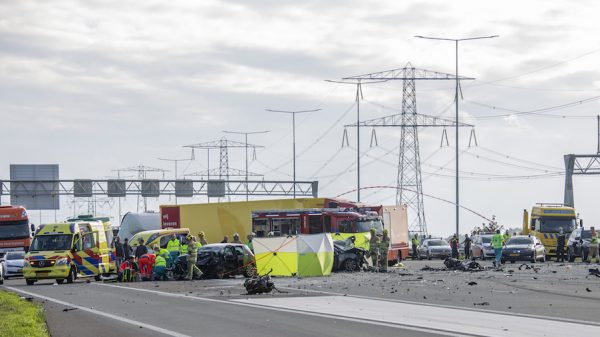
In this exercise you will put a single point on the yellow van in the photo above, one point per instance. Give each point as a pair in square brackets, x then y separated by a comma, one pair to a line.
[66, 251]
[158, 237]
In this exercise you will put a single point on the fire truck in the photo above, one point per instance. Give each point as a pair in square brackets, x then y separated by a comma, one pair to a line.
[15, 234]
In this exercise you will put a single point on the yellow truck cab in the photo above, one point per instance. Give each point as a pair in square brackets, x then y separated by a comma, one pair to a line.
[66, 251]
[159, 237]
[546, 221]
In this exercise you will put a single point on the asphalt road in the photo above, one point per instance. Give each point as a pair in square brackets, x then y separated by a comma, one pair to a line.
[549, 300]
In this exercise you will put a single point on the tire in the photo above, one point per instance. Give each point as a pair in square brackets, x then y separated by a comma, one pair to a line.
[29, 282]
[512, 261]
[97, 278]
[533, 258]
[543, 259]
[350, 265]
[428, 256]
[482, 256]
[60, 280]
[72, 276]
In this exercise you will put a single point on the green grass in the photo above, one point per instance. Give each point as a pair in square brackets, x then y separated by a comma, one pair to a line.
[19, 317]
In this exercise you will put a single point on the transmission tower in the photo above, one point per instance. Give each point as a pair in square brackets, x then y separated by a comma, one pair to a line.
[142, 174]
[223, 144]
[409, 184]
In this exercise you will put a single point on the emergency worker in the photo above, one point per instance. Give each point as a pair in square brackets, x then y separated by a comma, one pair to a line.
[236, 238]
[506, 236]
[145, 263]
[415, 243]
[173, 246]
[249, 244]
[497, 243]
[127, 270]
[374, 247]
[192, 250]
[384, 246]
[183, 249]
[159, 269]
[202, 238]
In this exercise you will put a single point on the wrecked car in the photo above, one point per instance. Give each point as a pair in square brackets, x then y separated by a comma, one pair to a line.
[524, 248]
[218, 260]
[579, 244]
[347, 257]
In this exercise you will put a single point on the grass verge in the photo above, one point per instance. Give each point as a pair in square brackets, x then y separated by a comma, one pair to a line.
[19, 317]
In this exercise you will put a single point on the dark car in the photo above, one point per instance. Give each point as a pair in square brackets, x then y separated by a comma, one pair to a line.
[481, 247]
[431, 248]
[218, 260]
[579, 244]
[524, 248]
[346, 256]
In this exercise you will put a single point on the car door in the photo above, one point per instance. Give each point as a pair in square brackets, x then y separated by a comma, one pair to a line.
[423, 249]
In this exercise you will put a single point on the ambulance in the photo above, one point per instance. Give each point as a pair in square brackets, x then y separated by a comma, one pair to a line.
[66, 251]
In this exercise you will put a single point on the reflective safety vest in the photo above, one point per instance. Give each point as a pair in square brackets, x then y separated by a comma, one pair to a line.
[415, 242]
[497, 240]
[173, 245]
[250, 246]
[506, 237]
[183, 249]
[160, 261]
[164, 253]
[594, 239]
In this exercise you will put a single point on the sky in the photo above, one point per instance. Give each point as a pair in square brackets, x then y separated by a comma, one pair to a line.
[96, 86]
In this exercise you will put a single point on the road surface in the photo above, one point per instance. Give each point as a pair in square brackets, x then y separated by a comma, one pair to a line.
[405, 302]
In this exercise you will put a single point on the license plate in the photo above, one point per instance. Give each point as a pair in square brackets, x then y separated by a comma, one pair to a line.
[43, 273]
[514, 254]
[19, 270]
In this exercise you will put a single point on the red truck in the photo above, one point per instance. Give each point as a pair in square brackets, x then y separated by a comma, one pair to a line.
[15, 234]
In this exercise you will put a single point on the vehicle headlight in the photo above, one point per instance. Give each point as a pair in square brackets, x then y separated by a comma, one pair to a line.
[62, 262]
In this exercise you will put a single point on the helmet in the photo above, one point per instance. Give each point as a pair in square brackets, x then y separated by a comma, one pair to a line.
[372, 230]
[385, 231]
[201, 233]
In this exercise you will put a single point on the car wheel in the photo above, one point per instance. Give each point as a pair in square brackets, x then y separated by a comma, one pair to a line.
[428, 255]
[533, 259]
[512, 261]
[543, 258]
[350, 265]
[97, 277]
[71, 278]
[29, 282]
[60, 280]
[482, 256]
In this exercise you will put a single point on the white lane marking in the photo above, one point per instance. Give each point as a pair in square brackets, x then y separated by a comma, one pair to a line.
[468, 322]
[510, 314]
[295, 311]
[100, 313]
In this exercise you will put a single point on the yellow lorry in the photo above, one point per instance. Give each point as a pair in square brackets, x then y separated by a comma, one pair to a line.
[545, 222]
[226, 218]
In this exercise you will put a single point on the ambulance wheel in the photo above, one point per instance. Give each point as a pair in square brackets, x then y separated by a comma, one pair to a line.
[60, 280]
[71, 278]
[29, 282]
[97, 277]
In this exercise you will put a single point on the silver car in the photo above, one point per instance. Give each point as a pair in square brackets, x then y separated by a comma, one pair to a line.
[12, 264]
[434, 248]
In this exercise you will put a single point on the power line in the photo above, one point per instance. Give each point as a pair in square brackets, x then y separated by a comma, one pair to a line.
[538, 111]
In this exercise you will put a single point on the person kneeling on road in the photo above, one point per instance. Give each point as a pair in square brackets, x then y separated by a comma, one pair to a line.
[192, 250]
[146, 262]
[159, 269]
[127, 270]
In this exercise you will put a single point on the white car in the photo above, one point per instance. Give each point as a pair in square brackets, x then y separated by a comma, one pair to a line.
[12, 264]
[1, 274]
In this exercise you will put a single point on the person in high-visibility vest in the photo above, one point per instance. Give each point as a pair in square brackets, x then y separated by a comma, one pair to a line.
[183, 249]
[506, 236]
[415, 243]
[192, 250]
[384, 246]
[497, 243]
[374, 249]
[159, 269]
[174, 247]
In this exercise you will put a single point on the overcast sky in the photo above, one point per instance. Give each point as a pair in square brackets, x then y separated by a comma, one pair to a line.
[100, 85]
